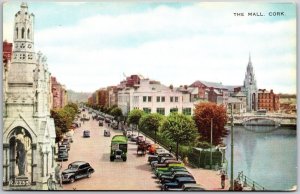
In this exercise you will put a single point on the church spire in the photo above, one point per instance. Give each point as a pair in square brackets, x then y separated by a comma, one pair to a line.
[249, 57]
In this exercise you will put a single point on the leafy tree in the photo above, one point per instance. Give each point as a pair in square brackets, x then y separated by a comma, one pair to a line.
[203, 115]
[116, 112]
[74, 106]
[151, 122]
[179, 128]
[111, 108]
[134, 116]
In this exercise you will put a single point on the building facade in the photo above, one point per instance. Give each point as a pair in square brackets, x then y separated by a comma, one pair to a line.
[59, 94]
[7, 51]
[268, 100]
[153, 97]
[212, 92]
[28, 130]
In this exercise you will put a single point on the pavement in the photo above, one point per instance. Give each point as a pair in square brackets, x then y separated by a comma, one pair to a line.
[134, 174]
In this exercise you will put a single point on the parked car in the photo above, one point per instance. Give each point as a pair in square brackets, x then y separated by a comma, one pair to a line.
[62, 155]
[114, 125]
[86, 133]
[100, 123]
[168, 162]
[107, 120]
[161, 160]
[77, 170]
[133, 137]
[106, 133]
[177, 184]
[66, 143]
[62, 148]
[171, 171]
[158, 156]
[166, 179]
[192, 187]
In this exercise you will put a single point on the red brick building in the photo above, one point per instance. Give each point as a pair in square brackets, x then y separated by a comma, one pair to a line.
[7, 51]
[212, 91]
[102, 97]
[59, 94]
[268, 100]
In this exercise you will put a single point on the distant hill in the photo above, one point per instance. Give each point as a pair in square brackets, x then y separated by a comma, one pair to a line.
[78, 96]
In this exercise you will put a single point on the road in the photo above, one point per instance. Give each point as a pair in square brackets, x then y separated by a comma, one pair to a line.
[134, 174]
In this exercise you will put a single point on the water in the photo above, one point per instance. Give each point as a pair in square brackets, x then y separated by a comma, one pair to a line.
[269, 158]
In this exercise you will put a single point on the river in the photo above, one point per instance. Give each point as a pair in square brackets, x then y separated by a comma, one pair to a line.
[269, 158]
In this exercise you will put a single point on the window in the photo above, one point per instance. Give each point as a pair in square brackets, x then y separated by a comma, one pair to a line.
[23, 31]
[158, 99]
[144, 98]
[28, 33]
[163, 99]
[173, 110]
[149, 98]
[171, 99]
[17, 30]
[187, 111]
[160, 111]
[147, 110]
[176, 98]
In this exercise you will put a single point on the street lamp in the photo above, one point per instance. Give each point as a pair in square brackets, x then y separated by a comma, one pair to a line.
[231, 174]
[211, 136]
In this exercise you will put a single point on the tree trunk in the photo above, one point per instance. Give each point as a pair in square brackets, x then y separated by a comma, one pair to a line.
[177, 145]
[155, 136]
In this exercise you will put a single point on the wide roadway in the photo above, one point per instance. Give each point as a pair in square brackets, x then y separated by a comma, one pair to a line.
[134, 174]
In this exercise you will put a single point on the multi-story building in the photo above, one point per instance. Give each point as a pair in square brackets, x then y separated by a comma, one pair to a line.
[59, 93]
[153, 97]
[239, 103]
[7, 51]
[268, 100]
[102, 97]
[212, 92]
[112, 95]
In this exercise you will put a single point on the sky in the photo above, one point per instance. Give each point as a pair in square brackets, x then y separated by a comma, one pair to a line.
[90, 45]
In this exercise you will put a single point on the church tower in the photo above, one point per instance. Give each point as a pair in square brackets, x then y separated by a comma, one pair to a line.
[250, 88]
[28, 130]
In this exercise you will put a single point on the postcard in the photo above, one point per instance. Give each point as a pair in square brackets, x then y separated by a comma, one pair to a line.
[149, 96]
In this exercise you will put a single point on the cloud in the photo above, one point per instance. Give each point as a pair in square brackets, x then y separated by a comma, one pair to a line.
[173, 45]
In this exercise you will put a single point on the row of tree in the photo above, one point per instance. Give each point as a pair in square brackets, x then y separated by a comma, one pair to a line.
[183, 129]
[63, 119]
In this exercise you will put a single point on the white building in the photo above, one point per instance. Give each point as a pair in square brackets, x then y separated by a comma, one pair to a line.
[28, 130]
[153, 97]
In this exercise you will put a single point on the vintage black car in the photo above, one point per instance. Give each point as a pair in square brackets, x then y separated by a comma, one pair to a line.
[86, 133]
[178, 183]
[100, 123]
[77, 170]
[106, 133]
[171, 178]
[62, 155]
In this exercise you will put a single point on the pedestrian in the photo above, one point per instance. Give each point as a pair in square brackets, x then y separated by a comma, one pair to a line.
[58, 175]
[170, 149]
[223, 180]
[51, 183]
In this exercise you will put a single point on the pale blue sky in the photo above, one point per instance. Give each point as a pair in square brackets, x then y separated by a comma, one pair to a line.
[90, 45]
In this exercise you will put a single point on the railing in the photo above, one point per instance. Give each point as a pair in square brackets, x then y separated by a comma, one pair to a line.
[249, 183]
